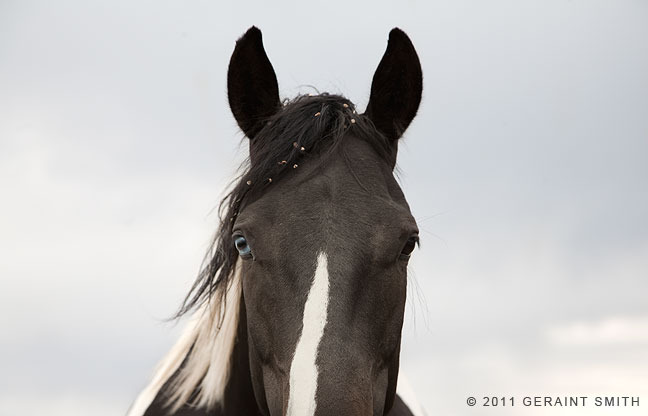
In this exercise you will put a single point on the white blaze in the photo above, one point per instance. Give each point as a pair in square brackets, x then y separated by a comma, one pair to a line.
[303, 370]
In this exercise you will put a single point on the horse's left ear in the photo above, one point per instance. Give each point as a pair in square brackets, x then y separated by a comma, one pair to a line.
[396, 87]
[252, 87]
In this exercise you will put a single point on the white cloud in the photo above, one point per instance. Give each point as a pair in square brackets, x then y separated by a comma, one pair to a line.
[607, 332]
[63, 405]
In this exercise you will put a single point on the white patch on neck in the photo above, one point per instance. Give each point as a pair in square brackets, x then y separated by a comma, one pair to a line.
[208, 365]
[303, 370]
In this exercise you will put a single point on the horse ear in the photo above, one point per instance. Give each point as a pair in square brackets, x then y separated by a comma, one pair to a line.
[252, 87]
[396, 87]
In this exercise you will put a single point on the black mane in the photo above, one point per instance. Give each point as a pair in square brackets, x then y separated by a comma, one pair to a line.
[307, 128]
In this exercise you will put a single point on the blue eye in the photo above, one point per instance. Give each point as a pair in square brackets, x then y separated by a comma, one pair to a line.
[242, 246]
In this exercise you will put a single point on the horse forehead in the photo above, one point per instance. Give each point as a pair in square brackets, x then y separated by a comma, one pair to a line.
[352, 185]
[355, 176]
[339, 190]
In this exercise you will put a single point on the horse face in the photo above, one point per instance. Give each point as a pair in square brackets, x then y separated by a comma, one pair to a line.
[324, 286]
[324, 251]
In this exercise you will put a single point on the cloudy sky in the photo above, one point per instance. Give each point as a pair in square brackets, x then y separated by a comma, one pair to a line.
[526, 168]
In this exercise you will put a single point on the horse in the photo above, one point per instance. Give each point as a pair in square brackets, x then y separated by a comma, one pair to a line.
[298, 308]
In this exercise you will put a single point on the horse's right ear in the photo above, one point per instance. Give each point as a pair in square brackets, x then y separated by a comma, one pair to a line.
[252, 87]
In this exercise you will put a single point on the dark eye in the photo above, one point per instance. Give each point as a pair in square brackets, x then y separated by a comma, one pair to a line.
[410, 245]
[242, 246]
